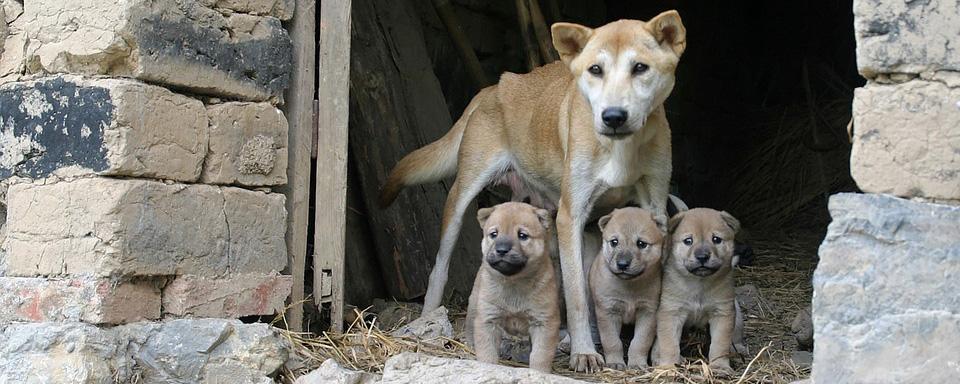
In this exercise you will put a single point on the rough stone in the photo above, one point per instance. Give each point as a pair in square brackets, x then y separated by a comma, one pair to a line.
[906, 139]
[412, 367]
[880, 312]
[227, 297]
[126, 227]
[906, 36]
[802, 329]
[180, 351]
[433, 328]
[248, 145]
[179, 43]
[67, 124]
[330, 372]
[12, 40]
[281, 9]
[392, 314]
[97, 301]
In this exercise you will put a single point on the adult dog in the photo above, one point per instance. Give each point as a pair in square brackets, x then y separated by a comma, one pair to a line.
[588, 132]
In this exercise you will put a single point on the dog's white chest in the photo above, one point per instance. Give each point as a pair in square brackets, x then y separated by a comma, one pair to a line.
[621, 169]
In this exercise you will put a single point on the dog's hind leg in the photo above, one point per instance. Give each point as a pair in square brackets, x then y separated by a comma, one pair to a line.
[477, 170]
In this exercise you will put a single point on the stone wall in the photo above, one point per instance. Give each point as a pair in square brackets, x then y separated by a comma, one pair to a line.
[139, 145]
[883, 307]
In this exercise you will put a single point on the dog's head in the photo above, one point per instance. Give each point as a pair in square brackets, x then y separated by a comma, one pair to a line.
[515, 237]
[701, 241]
[624, 69]
[632, 242]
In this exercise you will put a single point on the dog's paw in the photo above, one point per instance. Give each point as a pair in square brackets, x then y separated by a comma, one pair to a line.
[637, 366]
[586, 362]
[721, 370]
[616, 365]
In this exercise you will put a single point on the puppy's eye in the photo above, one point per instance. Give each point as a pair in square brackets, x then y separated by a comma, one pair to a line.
[595, 70]
[639, 68]
[717, 240]
[493, 235]
[688, 241]
[523, 236]
[642, 244]
[614, 243]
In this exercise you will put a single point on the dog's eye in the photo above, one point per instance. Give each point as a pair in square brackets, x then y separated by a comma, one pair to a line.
[614, 242]
[595, 70]
[639, 68]
[493, 235]
[642, 244]
[688, 241]
[523, 236]
[717, 240]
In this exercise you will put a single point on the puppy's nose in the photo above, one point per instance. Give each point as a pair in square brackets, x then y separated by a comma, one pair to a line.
[502, 248]
[614, 117]
[702, 256]
[623, 264]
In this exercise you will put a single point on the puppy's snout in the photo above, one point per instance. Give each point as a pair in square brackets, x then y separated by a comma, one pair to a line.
[502, 247]
[623, 263]
[614, 117]
[702, 254]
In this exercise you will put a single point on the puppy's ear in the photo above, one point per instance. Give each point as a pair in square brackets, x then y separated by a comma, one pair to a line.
[668, 30]
[483, 214]
[731, 221]
[675, 221]
[545, 219]
[569, 39]
[604, 220]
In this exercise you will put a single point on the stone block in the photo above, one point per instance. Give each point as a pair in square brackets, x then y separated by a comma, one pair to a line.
[906, 36]
[409, 367]
[331, 372]
[66, 124]
[179, 43]
[126, 227]
[281, 9]
[97, 301]
[906, 140]
[61, 353]
[12, 40]
[248, 145]
[227, 297]
[883, 305]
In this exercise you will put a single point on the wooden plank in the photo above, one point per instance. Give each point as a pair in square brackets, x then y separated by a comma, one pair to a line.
[333, 92]
[300, 117]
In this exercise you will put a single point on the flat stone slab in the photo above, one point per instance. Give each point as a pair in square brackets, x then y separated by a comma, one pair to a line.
[126, 227]
[906, 36]
[884, 302]
[409, 367]
[178, 43]
[179, 351]
[97, 301]
[68, 124]
[906, 139]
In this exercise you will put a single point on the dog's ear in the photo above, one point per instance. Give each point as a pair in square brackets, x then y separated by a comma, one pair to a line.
[668, 29]
[483, 214]
[545, 219]
[675, 221]
[731, 221]
[569, 39]
[604, 220]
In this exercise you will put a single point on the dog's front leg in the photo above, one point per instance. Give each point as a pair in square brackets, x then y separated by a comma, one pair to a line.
[644, 331]
[652, 193]
[486, 339]
[721, 336]
[571, 218]
[609, 326]
[669, 330]
[544, 338]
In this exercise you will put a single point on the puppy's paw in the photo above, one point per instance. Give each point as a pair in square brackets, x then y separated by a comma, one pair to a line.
[586, 362]
[721, 370]
[616, 365]
[640, 365]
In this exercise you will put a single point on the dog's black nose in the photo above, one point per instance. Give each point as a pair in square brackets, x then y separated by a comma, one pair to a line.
[623, 264]
[502, 247]
[702, 257]
[614, 117]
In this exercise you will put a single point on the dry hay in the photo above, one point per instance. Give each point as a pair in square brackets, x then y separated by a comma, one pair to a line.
[782, 271]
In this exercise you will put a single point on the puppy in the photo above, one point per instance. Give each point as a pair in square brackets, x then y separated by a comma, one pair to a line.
[625, 283]
[516, 289]
[697, 286]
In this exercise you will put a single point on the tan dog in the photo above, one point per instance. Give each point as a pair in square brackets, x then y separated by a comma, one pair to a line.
[516, 289]
[698, 284]
[588, 133]
[625, 284]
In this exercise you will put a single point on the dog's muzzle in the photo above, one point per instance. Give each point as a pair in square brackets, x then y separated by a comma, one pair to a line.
[701, 270]
[506, 264]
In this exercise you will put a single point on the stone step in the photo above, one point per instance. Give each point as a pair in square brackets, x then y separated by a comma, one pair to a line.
[126, 227]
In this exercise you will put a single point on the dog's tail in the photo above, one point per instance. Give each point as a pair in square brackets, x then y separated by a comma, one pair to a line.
[433, 162]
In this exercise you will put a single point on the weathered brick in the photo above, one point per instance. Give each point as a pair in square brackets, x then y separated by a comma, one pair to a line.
[906, 36]
[884, 303]
[281, 9]
[227, 297]
[906, 139]
[12, 40]
[248, 145]
[67, 124]
[114, 227]
[97, 301]
[179, 43]
[179, 351]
